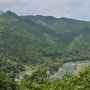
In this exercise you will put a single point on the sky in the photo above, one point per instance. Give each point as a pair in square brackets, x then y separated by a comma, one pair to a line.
[77, 9]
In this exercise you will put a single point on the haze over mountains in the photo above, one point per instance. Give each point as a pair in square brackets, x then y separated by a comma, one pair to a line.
[1, 12]
[43, 39]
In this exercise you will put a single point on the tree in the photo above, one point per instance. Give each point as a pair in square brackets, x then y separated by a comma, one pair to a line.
[38, 80]
[7, 83]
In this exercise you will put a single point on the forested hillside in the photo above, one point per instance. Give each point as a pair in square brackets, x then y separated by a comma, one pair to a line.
[32, 42]
[35, 40]
[43, 43]
[73, 35]
[26, 40]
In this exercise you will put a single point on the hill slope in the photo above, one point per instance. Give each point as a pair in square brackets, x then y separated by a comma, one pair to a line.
[33, 42]
[27, 40]
[46, 21]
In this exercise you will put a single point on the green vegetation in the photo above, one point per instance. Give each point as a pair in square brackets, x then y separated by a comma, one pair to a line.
[73, 36]
[42, 44]
[6, 82]
[82, 66]
[26, 40]
[39, 80]
[34, 43]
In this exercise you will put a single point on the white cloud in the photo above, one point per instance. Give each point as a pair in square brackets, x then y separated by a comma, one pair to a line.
[69, 8]
[13, 3]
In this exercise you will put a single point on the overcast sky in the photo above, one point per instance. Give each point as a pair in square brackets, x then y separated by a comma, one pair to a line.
[79, 9]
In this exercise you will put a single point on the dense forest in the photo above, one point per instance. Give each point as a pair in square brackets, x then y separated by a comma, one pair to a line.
[44, 44]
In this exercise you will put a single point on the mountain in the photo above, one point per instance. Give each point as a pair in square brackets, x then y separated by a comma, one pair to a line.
[61, 25]
[67, 28]
[9, 15]
[26, 40]
[1, 12]
[65, 25]
[80, 46]
[44, 39]
[39, 44]
[46, 21]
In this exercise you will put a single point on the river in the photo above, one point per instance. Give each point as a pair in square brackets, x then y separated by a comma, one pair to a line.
[70, 67]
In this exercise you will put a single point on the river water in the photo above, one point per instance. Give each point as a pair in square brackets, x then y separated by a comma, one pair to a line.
[69, 67]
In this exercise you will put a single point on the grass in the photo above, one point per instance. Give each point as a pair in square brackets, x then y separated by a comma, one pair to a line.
[82, 66]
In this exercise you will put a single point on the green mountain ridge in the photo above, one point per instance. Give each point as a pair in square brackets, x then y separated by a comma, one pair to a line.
[40, 45]
[67, 28]
[35, 40]
[25, 39]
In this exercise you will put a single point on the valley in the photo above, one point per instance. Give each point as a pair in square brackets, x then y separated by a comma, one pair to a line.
[71, 67]
[44, 53]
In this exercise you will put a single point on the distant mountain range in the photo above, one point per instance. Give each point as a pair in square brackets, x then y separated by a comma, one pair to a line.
[1, 12]
[44, 39]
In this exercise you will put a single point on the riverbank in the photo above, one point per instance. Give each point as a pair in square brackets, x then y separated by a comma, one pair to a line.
[71, 67]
